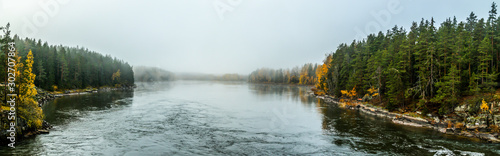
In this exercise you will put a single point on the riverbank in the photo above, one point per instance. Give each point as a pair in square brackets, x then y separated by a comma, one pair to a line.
[288, 84]
[441, 125]
[43, 97]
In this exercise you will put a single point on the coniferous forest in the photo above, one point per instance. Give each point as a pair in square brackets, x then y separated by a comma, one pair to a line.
[62, 67]
[54, 68]
[429, 66]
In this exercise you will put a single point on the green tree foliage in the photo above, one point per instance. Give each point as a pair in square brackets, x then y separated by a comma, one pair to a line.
[28, 111]
[487, 77]
[71, 67]
[52, 67]
[4, 47]
[427, 67]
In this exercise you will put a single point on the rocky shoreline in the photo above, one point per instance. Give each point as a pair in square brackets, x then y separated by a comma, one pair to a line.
[402, 119]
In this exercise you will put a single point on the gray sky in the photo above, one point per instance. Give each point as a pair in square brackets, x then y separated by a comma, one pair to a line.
[238, 37]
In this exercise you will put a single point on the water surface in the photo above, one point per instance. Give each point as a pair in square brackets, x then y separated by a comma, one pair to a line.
[227, 118]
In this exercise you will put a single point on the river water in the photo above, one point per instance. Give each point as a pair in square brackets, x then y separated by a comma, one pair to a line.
[227, 118]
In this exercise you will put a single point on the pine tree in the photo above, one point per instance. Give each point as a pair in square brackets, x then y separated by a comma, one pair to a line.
[474, 84]
[425, 60]
[63, 70]
[463, 57]
[41, 74]
[491, 29]
[395, 88]
[487, 76]
[447, 93]
[4, 48]
[471, 22]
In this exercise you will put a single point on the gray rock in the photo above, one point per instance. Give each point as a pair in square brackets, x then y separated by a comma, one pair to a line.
[43, 131]
[436, 119]
[496, 119]
[450, 130]
[461, 108]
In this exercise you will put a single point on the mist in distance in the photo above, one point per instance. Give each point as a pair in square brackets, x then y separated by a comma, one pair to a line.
[155, 74]
[219, 36]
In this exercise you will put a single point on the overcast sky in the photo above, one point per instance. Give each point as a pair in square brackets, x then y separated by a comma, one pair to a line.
[219, 36]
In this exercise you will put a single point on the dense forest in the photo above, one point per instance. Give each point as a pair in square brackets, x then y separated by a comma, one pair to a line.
[428, 67]
[52, 68]
[62, 67]
[305, 75]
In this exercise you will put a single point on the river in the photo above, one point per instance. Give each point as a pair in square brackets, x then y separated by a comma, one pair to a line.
[227, 118]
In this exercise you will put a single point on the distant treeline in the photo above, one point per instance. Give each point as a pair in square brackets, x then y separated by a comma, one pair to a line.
[62, 67]
[150, 74]
[303, 75]
[425, 67]
[210, 77]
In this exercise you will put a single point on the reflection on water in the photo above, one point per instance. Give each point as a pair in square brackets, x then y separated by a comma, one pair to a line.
[65, 109]
[376, 135]
[227, 118]
[284, 91]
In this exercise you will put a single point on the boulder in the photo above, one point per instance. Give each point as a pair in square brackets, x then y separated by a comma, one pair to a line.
[476, 122]
[42, 131]
[461, 108]
[488, 137]
[450, 131]
[436, 119]
[496, 120]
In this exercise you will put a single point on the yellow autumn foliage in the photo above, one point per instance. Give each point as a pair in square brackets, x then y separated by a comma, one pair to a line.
[372, 90]
[321, 73]
[349, 95]
[484, 106]
[344, 92]
[116, 75]
[28, 106]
